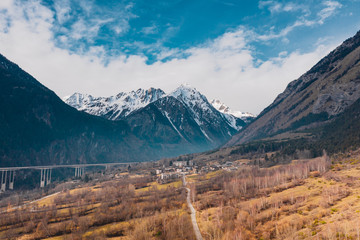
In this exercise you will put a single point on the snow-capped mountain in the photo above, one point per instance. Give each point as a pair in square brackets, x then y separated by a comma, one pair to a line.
[114, 107]
[205, 115]
[183, 114]
[221, 107]
[199, 106]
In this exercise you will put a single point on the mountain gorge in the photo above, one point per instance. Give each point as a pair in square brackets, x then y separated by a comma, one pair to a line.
[318, 97]
[38, 128]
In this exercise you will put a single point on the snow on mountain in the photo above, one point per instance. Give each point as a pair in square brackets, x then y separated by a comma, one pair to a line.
[214, 119]
[221, 107]
[114, 107]
[203, 112]
[195, 101]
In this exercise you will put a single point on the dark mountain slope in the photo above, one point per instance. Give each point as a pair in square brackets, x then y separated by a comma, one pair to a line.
[36, 127]
[159, 124]
[322, 93]
[342, 133]
[180, 120]
[169, 121]
[338, 135]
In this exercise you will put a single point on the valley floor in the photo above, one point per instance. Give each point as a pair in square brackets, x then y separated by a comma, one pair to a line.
[303, 200]
[132, 207]
[307, 199]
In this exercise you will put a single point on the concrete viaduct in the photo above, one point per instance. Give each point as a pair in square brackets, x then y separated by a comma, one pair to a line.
[8, 173]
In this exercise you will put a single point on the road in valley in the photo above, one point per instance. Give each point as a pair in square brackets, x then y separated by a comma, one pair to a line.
[193, 211]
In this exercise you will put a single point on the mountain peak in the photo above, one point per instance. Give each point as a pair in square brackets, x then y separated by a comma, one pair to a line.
[77, 100]
[124, 103]
[186, 85]
[187, 93]
[221, 107]
[114, 107]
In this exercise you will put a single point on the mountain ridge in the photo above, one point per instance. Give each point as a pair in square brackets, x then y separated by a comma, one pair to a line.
[204, 114]
[38, 128]
[114, 107]
[190, 116]
[35, 124]
[320, 94]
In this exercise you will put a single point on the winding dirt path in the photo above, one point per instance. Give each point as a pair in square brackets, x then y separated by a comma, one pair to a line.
[193, 211]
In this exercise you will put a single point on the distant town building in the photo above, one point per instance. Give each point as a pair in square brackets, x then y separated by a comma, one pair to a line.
[179, 163]
[183, 163]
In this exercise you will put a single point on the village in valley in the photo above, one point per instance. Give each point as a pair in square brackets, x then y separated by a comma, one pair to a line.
[176, 169]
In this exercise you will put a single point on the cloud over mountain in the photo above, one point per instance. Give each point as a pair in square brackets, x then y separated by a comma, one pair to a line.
[109, 58]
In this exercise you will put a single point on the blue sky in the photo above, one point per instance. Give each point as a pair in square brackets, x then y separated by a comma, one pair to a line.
[150, 27]
[241, 52]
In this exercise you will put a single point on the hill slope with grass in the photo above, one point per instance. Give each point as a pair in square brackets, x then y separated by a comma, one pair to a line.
[318, 96]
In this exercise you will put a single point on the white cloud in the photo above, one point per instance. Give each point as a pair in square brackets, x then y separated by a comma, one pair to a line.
[84, 20]
[63, 9]
[329, 10]
[277, 7]
[5, 4]
[86, 30]
[223, 68]
[150, 29]
[121, 26]
[285, 31]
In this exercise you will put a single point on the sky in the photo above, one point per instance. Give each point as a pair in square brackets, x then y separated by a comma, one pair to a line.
[243, 53]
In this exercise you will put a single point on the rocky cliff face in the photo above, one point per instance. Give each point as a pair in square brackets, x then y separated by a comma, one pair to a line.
[322, 93]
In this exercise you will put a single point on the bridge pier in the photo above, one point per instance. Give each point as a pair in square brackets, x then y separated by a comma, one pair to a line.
[45, 172]
[11, 179]
[3, 180]
[107, 168]
[42, 177]
[45, 177]
[48, 176]
[79, 171]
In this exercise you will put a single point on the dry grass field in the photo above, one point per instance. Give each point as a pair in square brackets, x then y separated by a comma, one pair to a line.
[127, 208]
[307, 199]
[314, 199]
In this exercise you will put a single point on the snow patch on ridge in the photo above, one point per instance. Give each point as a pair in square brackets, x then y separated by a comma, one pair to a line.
[172, 124]
[114, 107]
[221, 107]
[208, 116]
